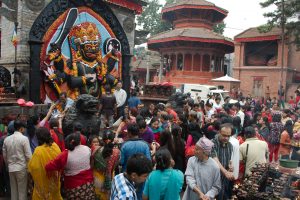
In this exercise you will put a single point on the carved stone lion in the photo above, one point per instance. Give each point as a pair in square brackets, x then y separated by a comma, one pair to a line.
[85, 111]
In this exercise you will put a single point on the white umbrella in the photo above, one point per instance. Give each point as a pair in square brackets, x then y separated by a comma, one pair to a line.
[226, 78]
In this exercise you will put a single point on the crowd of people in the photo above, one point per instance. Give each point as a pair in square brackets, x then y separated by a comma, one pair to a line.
[196, 151]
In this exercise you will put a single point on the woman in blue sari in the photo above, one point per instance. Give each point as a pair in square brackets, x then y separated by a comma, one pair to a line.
[164, 183]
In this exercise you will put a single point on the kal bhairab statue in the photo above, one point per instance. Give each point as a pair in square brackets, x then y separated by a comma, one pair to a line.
[86, 71]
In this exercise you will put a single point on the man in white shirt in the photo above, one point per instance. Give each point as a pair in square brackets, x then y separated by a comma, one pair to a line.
[217, 105]
[210, 110]
[16, 154]
[243, 101]
[121, 97]
[239, 113]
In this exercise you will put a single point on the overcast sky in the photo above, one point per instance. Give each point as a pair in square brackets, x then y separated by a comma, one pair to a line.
[243, 14]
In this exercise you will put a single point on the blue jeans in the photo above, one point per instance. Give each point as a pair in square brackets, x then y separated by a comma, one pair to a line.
[139, 191]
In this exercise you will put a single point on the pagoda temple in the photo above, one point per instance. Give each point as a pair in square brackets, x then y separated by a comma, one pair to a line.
[192, 52]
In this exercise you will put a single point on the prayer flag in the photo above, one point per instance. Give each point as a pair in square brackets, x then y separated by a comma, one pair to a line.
[14, 38]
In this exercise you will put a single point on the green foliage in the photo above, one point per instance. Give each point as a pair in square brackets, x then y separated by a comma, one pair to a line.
[288, 16]
[219, 28]
[150, 19]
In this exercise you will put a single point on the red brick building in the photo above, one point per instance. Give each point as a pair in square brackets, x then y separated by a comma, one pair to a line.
[193, 53]
[258, 63]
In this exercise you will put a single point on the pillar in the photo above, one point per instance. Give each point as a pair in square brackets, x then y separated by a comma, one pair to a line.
[222, 64]
[183, 60]
[201, 62]
[176, 61]
[193, 61]
[216, 64]
[35, 72]
[211, 69]
[243, 54]
[126, 59]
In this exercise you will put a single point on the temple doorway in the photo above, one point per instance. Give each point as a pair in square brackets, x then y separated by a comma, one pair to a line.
[258, 87]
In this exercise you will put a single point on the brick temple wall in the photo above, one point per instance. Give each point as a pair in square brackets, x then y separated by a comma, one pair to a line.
[252, 76]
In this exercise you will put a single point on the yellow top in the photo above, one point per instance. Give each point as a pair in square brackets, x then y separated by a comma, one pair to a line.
[45, 188]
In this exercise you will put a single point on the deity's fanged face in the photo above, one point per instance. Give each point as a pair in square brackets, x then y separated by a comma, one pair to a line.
[89, 50]
[87, 39]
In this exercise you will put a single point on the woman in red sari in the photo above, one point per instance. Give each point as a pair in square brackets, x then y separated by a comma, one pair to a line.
[74, 161]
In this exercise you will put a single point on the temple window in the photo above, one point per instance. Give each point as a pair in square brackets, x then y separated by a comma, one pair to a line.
[261, 53]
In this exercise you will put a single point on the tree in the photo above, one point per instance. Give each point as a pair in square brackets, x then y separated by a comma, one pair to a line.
[219, 28]
[151, 18]
[290, 11]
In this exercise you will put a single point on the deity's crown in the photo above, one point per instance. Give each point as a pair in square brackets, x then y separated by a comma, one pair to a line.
[85, 32]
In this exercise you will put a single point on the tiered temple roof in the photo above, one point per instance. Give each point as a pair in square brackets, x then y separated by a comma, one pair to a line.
[253, 34]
